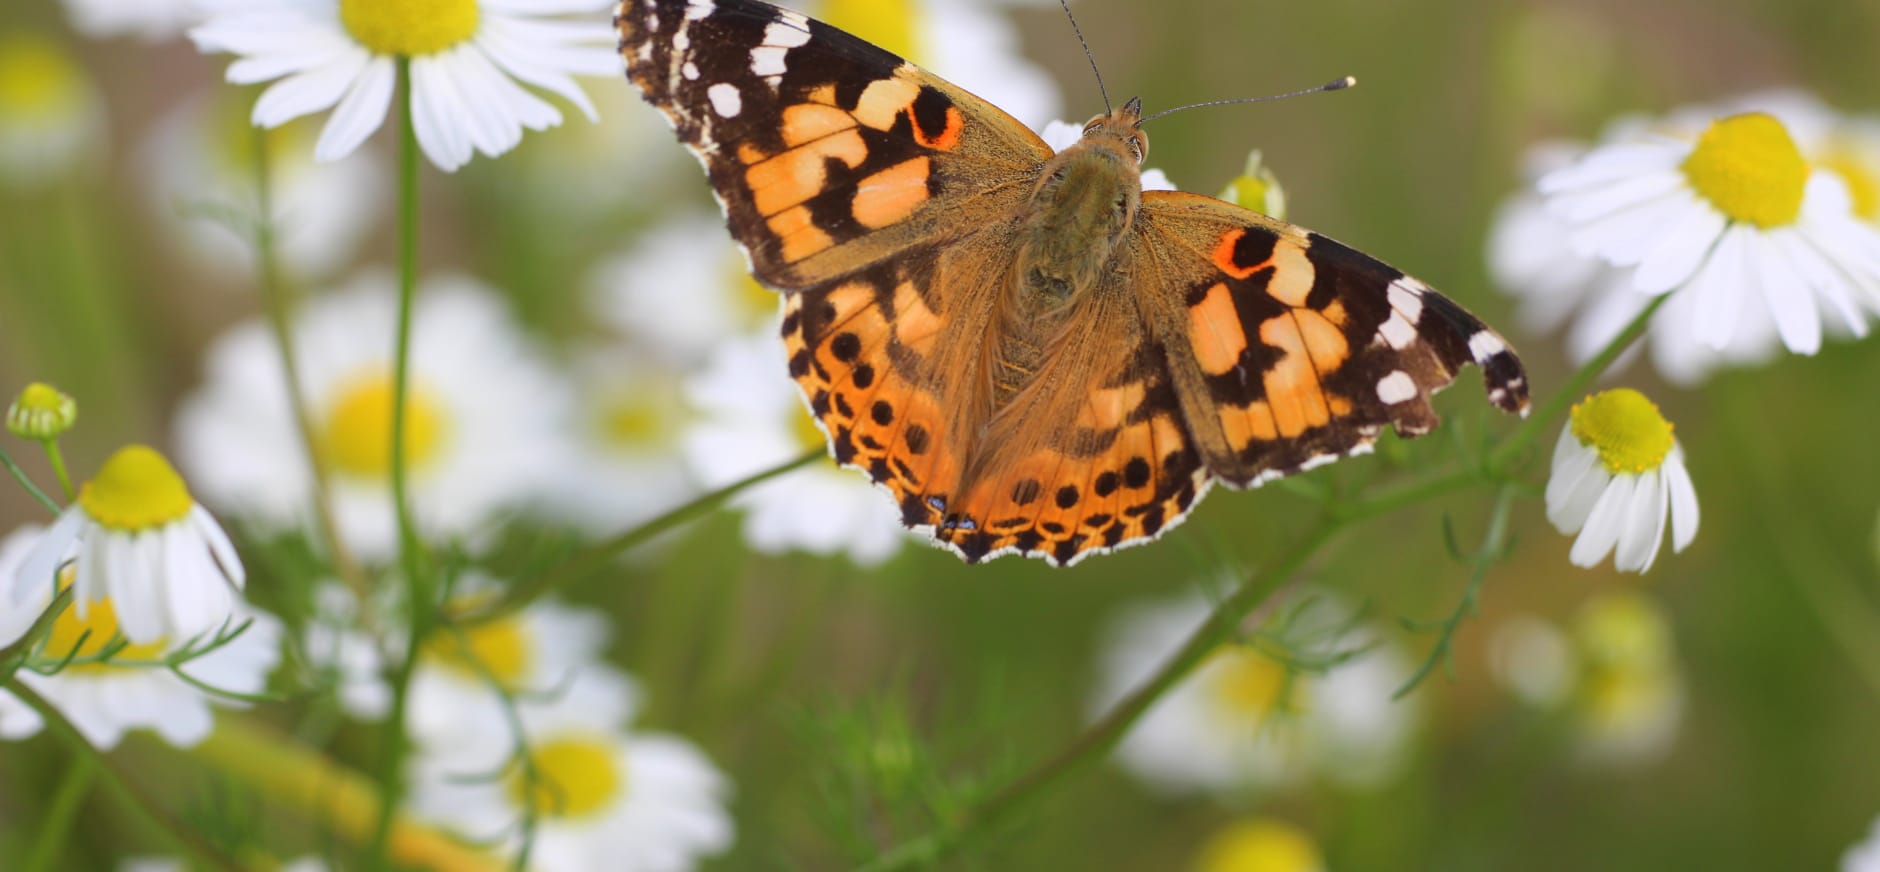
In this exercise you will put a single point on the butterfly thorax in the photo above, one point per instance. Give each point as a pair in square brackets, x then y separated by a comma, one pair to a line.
[1082, 206]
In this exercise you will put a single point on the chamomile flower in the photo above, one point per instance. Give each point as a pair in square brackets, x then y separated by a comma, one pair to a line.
[532, 653]
[1255, 715]
[470, 60]
[634, 293]
[604, 797]
[143, 542]
[753, 418]
[202, 155]
[51, 117]
[1260, 845]
[1618, 475]
[104, 700]
[145, 19]
[1061, 135]
[485, 417]
[1735, 218]
[625, 465]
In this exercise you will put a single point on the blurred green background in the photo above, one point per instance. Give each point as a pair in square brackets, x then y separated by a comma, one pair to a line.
[796, 674]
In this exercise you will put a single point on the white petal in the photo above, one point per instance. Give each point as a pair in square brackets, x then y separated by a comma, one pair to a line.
[1722, 286]
[1683, 500]
[1678, 255]
[310, 91]
[1605, 523]
[91, 576]
[1644, 525]
[35, 573]
[1594, 203]
[1580, 496]
[1791, 302]
[228, 561]
[1610, 164]
[132, 574]
[1569, 463]
[1835, 287]
[437, 117]
[361, 111]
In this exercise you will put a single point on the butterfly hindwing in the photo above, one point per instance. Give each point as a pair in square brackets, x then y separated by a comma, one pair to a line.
[1299, 350]
[827, 153]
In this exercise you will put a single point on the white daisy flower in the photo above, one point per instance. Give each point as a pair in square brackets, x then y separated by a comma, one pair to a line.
[1260, 845]
[341, 653]
[625, 467]
[533, 653]
[469, 62]
[51, 116]
[1735, 218]
[1864, 856]
[146, 19]
[1246, 720]
[202, 154]
[172, 864]
[606, 798]
[1061, 135]
[142, 541]
[484, 426]
[634, 293]
[753, 418]
[1617, 475]
[106, 700]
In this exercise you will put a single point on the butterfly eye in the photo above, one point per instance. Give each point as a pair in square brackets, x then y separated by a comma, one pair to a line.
[1137, 147]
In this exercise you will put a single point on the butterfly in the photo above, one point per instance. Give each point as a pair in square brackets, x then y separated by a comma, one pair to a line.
[1031, 353]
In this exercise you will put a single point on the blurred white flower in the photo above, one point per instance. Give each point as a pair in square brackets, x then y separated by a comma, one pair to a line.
[1613, 674]
[486, 415]
[1061, 135]
[469, 62]
[51, 116]
[753, 418]
[146, 19]
[1734, 217]
[1260, 845]
[534, 653]
[141, 540]
[172, 864]
[105, 700]
[607, 798]
[1618, 480]
[625, 465]
[202, 155]
[1864, 856]
[344, 656]
[1246, 719]
[682, 290]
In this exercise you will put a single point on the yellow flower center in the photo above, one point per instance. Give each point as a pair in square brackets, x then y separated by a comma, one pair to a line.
[358, 432]
[1749, 168]
[69, 636]
[1623, 629]
[137, 489]
[1249, 685]
[886, 23]
[501, 649]
[1629, 433]
[637, 419]
[37, 78]
[409, 27]
[576, 776]
[1261, 845]
[1862, 178]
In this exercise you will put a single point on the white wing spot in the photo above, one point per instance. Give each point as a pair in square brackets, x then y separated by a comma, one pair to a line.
[1398, 332]
[767, 60]
[690, 71]
[1406, 297]
[785, 34]
[1485, 345]
[725, 100]
[697, 9]
[1396, 388]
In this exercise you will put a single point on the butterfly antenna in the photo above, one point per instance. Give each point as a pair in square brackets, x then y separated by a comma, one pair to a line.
[1335, 85]
[1093, 58]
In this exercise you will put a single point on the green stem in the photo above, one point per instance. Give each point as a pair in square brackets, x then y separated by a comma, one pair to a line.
[591, 559]
[186, 837]
[56, 826]
[418, 605]
[277, 302]
[1493, 542]
[19, 475]
[1222, 625]
[1512, 449]
[57, 458]
[13, 656]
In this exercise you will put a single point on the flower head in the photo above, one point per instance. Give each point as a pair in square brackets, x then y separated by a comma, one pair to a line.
[51, 117]
[41, 412]
[142, 542]
[1618, 473]
[469, 62]
[1260, 845]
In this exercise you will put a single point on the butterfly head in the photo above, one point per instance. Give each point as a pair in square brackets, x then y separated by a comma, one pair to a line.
[1120, 130]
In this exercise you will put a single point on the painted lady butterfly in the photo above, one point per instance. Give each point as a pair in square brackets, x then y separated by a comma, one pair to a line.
[1026, 349]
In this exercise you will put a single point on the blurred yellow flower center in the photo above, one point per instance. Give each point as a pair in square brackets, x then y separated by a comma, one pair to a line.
[1749, 168]
[1863, 183]
[36, 77]
[409, 27]
[1623, 629]
[886, 23]
[633, 421]
[235, 135]
[1625, 428]
[808, 434]
[69, 636]
[576, 776]
[135, 490]
[500, 649]
[1261, 845]
[41, 412]
[358, 432]
[755, 303]
[1250, 685]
